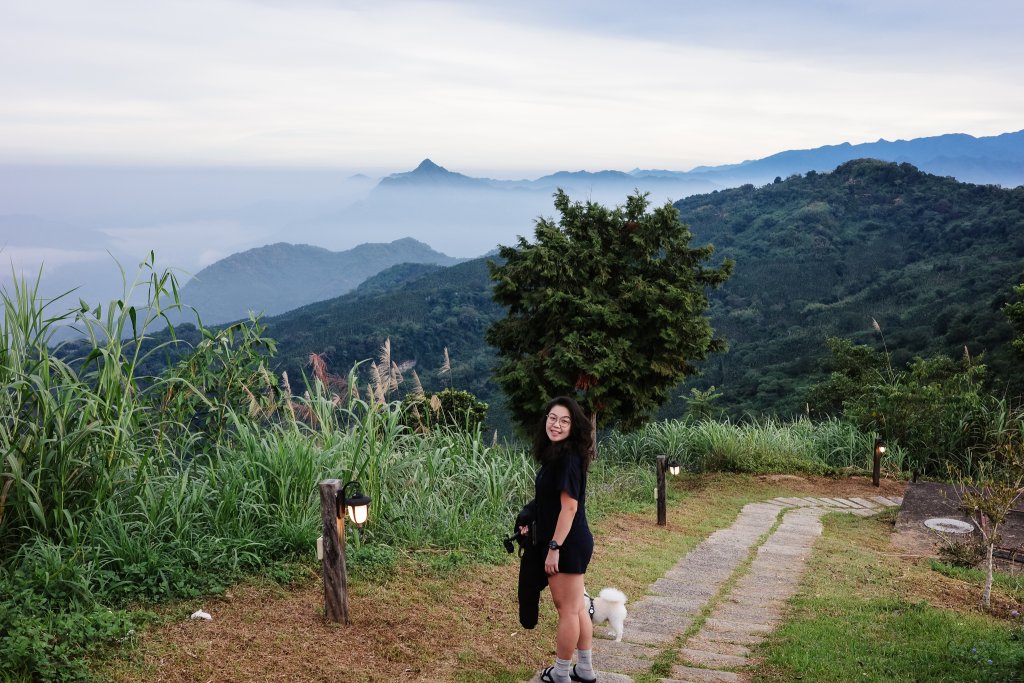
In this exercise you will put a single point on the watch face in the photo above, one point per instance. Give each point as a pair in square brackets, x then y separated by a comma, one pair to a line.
[553, 545]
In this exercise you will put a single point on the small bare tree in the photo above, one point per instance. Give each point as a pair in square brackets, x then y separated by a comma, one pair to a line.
[989, 496]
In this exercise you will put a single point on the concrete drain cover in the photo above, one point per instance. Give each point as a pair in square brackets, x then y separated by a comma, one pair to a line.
[949, 526]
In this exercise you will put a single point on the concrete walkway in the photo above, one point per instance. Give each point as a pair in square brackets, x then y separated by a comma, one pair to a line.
[739, 603]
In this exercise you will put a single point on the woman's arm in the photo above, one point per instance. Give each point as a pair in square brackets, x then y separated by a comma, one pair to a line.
[562, 526]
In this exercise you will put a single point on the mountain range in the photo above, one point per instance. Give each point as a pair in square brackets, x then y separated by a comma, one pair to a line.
[472, 215]
[931, 259]
[467, 216]
[77, 220]
[995, 160]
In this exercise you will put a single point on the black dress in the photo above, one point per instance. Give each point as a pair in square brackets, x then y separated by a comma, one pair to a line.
[564, 474]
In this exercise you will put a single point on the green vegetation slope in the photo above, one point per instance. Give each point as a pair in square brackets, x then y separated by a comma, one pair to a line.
[931, 259]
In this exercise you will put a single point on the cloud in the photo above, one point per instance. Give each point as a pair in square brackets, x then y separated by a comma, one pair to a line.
[186, 245]
[490, 85]
[27, 260]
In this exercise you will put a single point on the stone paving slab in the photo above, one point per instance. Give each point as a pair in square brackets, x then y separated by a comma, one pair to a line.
[631, 650]
[709, 574]
[741, 613]
[713, 559]
[769, 583]
[689, 674]
[657, 620]
[711, 660]
[634, 634]
[864, 502]
[718, 646]
[755, 612]
[664, 586]
[729, 637]
[790, 550]
[680, 604]
[620, 663]
[725, 626]
[751, 593]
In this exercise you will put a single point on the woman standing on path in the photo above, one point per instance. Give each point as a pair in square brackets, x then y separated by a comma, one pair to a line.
[564, 449]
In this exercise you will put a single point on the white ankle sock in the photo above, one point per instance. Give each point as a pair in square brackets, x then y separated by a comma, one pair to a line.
[561, 672]
[584, 664]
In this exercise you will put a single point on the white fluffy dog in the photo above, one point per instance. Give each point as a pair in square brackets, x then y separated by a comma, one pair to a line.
[610, 606]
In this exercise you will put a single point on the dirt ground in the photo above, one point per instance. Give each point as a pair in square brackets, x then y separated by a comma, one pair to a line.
[411, 628]
[926, 500]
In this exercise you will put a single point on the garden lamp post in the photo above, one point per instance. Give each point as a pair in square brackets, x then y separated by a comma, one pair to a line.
[659, 493]
[876, 461]
[334, 504]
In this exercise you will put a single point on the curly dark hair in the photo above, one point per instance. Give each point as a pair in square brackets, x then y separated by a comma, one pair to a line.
[581, 437]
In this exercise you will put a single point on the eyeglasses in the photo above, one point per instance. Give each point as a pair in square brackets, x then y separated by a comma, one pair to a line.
[561, 422]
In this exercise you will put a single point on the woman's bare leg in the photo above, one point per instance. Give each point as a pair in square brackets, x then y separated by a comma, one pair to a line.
[567, 593]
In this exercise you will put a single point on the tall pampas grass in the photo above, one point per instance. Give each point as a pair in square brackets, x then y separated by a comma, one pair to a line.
[446, 368]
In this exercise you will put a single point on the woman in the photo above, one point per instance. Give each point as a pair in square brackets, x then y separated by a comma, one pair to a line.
[564, 448]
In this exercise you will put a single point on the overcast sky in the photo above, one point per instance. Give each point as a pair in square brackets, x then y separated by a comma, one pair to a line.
[511, 88]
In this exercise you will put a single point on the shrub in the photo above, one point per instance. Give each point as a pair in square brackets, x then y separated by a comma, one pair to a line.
[449, 408]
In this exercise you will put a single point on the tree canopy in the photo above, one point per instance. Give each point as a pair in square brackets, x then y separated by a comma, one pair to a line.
[1014, 312]
[607, 305]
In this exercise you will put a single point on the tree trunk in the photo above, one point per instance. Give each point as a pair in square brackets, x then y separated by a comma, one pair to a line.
[986, 599]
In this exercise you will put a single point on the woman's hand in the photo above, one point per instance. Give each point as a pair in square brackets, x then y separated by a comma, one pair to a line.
[551, 562]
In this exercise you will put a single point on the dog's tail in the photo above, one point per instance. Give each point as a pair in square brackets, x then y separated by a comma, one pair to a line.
[613, 595]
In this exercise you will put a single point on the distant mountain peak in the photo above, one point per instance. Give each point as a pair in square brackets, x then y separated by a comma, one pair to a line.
[429, 173]
[428, 166]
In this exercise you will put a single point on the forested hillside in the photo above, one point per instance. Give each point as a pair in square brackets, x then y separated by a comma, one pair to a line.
[279, 277]
[443, 308]
[931, 259]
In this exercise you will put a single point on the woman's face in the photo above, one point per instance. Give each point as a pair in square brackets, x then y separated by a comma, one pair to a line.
[559, 424]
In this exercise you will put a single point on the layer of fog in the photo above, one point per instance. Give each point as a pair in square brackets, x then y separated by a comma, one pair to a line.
[82, 226]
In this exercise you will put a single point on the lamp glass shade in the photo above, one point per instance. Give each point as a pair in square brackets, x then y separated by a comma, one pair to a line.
[673, 468]
[358, 508]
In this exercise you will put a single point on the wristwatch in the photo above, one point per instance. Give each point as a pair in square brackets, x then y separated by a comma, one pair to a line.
[552, 545]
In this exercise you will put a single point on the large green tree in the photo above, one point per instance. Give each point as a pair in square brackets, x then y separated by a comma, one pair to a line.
[607, 305]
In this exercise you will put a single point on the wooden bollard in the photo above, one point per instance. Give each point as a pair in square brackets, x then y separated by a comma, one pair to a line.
[335, 575]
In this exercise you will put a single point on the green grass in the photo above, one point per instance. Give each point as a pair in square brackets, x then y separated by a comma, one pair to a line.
[1012, 585]
[859, 617]
[753, 446]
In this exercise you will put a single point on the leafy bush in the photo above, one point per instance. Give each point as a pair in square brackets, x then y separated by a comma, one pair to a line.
[935, 409]
[44, 639]
[449, 408]
[961, 553]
